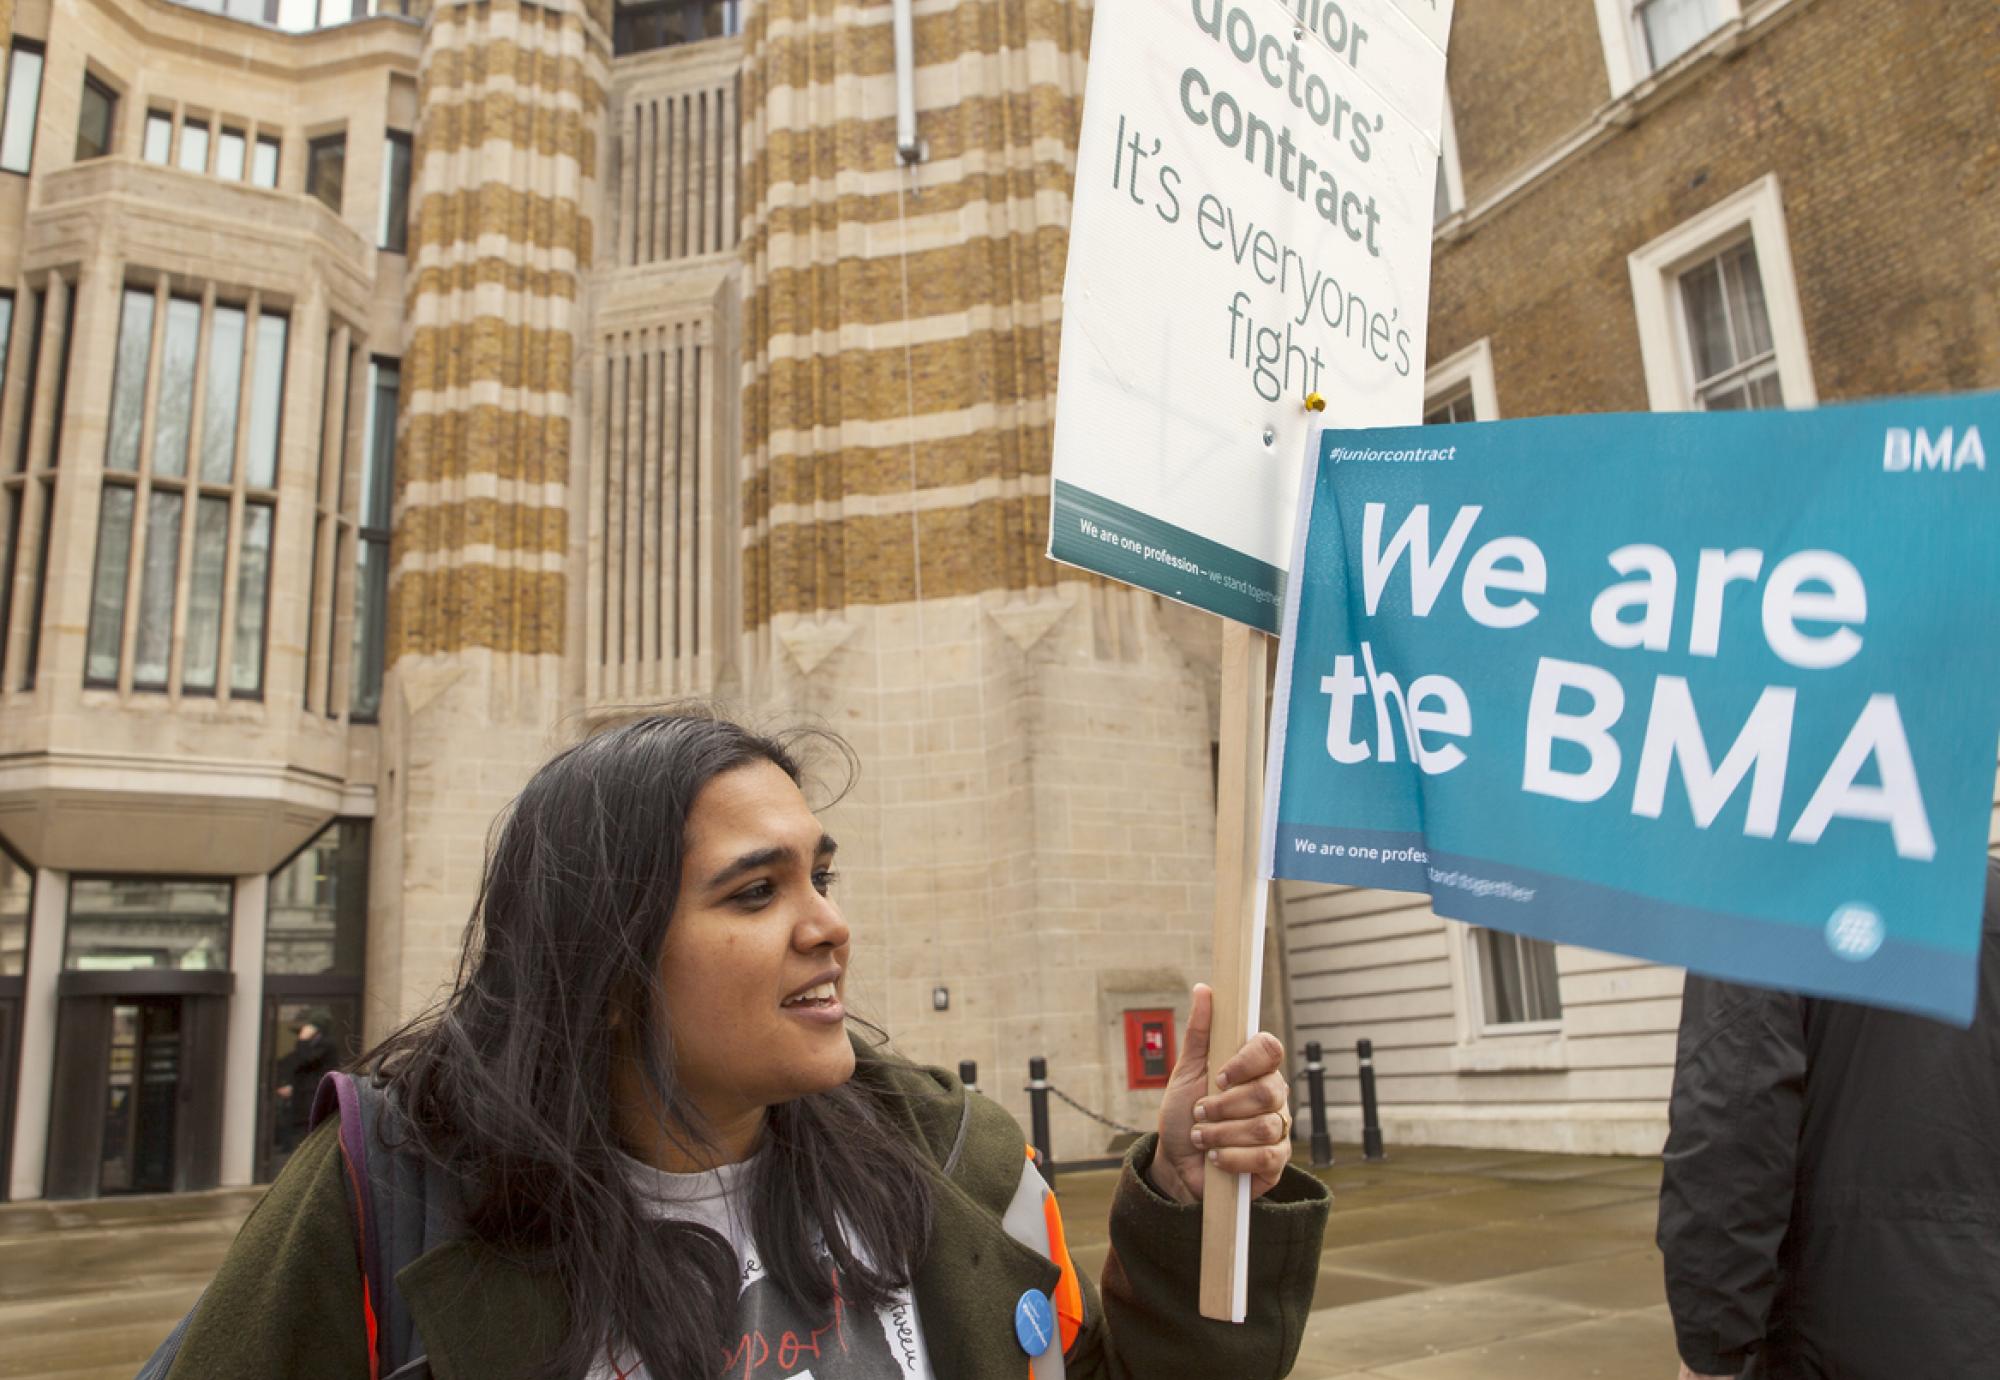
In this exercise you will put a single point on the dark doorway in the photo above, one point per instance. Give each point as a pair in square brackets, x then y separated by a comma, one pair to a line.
[139, 1075]
[141, 1093]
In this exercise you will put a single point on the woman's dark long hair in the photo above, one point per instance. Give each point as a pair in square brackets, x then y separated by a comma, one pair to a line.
[507, 1084]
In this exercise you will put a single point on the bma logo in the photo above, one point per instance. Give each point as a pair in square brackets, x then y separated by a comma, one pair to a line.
[1904, 449]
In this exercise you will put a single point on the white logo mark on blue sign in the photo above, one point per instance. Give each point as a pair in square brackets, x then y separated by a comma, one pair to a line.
[1855, 932]
[1912, 451]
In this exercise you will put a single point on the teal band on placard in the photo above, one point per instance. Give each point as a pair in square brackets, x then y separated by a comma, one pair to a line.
[1097, 534]
[1927, 979]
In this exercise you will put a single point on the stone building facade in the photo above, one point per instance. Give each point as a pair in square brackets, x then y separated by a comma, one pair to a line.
[391, 397]
[1663, 206]
[390, 394]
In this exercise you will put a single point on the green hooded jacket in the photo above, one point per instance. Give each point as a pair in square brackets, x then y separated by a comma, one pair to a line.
[287, 1299]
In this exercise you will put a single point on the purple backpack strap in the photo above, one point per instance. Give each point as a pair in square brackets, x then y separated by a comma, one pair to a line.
[337, 1095]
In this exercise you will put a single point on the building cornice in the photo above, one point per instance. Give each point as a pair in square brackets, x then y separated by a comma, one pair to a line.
[165, 26]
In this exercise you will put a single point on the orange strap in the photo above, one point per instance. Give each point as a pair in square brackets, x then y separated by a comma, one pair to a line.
[368, 1321]
[1069, 1292]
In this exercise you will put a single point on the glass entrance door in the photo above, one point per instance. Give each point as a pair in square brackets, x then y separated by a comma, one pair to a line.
[141, 1097]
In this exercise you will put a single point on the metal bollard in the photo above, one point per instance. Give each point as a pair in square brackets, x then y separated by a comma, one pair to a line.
[1038, 1117]
[1322, 1142]
[1371, 1118]
[968, 1074]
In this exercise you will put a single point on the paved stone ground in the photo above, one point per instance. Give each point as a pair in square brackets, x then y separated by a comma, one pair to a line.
[1439, 1265]
[1471, 1265]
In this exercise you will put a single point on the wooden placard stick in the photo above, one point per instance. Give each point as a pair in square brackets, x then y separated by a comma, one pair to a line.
[1239, 932]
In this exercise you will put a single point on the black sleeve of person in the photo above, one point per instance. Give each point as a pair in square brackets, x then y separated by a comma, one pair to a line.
[1730, 1165]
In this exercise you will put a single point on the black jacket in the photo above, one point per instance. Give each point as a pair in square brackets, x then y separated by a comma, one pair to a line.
[1831, 1203]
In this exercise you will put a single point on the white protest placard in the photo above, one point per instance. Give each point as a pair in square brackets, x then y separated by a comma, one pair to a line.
[1252, 225]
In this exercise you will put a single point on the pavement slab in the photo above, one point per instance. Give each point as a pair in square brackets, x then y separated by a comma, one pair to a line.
[1627, 1346]
[1612, 1284]
[1475, 1255]
[1421, 1324]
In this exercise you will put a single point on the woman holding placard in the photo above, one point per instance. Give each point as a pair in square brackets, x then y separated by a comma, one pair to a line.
[640, 1139]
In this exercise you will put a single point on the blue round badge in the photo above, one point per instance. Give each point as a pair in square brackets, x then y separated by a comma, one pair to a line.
[1035, 1322]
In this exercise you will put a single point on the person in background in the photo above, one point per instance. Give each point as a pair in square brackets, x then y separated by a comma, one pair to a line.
[1830, 1208]
[299, 1073]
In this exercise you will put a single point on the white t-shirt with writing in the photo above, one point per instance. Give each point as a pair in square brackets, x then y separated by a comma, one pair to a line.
[774, 1337]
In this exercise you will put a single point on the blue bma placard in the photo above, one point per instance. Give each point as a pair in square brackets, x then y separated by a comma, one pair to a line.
[1716, 690]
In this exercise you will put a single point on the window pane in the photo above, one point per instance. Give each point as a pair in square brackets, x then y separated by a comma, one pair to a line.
[194, 146]
[146, 922]
[204, 621]
[31, 338]
[1544, 1001]
[371, 611]
[371, 587]
[394, 229]
[24, 98]
[6, 336]
[267, 400]
[1517, 979]
[66, 336]
[156, 590]
[94, 123]
[177, 355]
[225, 385]
[264, 163]
[1674, 26]
[17, 890]
[107, 595]
[1500, 978]
[128, 380]
[11, 503]
[40, 587]
[1708, 320]
[326, 169]
[379, 461]
[1457, 407]
[253, 586]
[159, 146]
[1747, 310]
[313, 629]
[229, 155]
[319, 906]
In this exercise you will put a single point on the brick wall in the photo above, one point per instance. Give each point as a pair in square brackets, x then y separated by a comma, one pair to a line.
[1522, 74]
[1879, 124]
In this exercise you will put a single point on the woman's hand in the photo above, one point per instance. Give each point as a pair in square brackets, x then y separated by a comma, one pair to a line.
[1244, 1128]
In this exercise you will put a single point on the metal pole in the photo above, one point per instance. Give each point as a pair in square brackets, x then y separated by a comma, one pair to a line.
[968, 1074]
[1038, 1116]
[1322, 1143]
[1371, 1119]
[903, 40]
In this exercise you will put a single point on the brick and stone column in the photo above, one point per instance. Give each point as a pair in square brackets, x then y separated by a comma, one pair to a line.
[507, 145]
[1033, 827]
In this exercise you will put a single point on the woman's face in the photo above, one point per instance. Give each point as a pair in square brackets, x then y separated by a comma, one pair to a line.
[754, 965]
